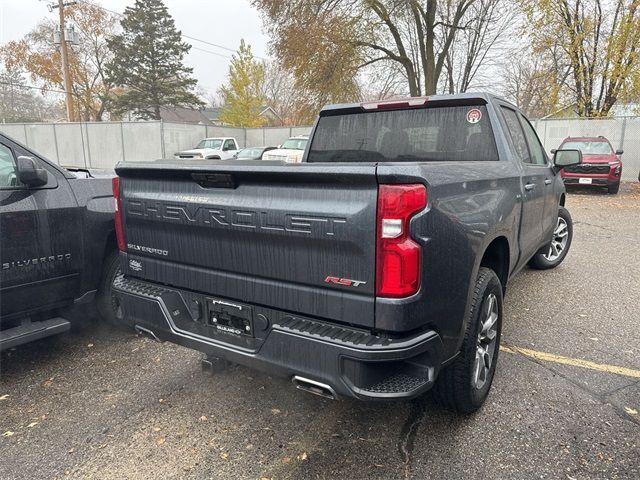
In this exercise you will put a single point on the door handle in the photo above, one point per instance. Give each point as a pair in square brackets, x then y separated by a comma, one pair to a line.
[547, 181]
[529, 186]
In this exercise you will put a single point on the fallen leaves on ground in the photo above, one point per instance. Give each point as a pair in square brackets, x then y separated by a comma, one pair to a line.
[275, 411]
[161, 440]
[8, 433]
[32, 424]
[631, 411]
[4, 397]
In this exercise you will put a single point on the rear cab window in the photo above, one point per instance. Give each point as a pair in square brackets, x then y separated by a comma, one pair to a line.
[432, 133]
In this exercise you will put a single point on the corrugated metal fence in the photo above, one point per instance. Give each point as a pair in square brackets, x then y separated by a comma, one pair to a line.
[103, 144]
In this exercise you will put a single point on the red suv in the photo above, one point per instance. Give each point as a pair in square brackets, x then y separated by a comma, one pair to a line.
[601, 165]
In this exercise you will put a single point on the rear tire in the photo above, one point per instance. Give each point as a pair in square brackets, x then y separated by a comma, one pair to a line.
[613, 188]
[464, 385]
[554, 253]
[107, 303]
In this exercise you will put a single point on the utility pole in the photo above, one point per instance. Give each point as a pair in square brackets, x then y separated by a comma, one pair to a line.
[66, 73]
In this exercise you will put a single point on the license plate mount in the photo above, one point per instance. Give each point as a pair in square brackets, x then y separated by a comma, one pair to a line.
[230, 317]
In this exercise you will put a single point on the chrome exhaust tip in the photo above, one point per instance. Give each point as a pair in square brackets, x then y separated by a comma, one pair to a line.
[314, 387]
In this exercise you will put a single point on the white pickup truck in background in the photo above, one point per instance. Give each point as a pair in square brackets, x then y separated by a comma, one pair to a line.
[218, 148]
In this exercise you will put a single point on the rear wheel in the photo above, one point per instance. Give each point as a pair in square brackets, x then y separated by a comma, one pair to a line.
[464, 385]
[553, 255]
[106, 301]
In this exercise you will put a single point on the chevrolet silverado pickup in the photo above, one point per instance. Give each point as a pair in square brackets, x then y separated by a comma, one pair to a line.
[374, 269]
[57, 244]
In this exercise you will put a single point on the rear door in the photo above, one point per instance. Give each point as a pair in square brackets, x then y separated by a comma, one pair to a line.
[296, 239]
[533, 185]
[540, 160]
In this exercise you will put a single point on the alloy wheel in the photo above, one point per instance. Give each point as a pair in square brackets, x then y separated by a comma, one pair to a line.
[559, 241]
[486, 342]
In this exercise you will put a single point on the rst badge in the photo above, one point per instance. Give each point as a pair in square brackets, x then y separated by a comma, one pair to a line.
[347, 282]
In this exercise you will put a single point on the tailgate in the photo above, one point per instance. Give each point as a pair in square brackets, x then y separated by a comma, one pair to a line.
[291, 237]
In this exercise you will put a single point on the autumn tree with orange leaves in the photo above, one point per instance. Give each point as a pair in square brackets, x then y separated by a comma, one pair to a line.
[39, 57]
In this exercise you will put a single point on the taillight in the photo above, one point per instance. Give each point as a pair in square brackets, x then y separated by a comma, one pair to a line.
[398, 256]
[115, 183]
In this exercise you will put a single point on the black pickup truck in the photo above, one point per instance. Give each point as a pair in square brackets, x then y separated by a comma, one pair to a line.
[57, 244]
[375, 269]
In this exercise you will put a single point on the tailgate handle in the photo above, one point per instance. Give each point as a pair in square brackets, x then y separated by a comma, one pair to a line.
[214, 180]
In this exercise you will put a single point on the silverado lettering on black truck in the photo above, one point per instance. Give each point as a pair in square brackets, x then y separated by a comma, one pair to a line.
[416, 215]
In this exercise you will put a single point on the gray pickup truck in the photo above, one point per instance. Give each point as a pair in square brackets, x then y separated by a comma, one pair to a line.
[375, 269]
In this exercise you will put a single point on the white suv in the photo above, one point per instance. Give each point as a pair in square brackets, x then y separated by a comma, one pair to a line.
[290, 151]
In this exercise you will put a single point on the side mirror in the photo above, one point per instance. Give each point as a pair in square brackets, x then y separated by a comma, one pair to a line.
[619, 151]
[566, 158]
[30, 174]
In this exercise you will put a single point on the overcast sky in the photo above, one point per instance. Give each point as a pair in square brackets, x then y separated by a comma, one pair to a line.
[223, 22]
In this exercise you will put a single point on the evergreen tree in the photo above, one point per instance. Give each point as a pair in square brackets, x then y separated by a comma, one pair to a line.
[243, 97]
[147, 62]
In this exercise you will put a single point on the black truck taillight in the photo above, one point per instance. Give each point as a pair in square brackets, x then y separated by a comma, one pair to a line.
[115, 183]
[398, 256]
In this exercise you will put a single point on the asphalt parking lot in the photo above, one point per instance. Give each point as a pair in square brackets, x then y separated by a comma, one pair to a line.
[565, 404]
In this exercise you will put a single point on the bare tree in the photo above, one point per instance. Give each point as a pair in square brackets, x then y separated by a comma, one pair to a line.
[479, 48]
[328, 43]
[600, 41]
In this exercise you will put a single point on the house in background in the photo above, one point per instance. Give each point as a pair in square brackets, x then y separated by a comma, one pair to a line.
[184, 115]
[271, 117]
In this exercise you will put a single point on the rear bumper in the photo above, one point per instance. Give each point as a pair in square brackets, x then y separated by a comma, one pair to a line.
[353, 362]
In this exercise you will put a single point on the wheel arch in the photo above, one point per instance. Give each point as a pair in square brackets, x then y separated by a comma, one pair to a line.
[496, 257]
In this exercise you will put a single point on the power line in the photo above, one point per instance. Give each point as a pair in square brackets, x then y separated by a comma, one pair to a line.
[212, 53]
[33, 87]
[206, 42]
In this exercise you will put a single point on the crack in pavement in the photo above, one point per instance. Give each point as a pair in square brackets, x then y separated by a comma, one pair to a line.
[406, 440]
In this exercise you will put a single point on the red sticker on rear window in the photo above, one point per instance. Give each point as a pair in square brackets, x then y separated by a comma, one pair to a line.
[474, 115]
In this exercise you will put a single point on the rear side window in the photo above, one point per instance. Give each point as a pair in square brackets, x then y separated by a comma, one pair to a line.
[517, 135]
[535, 147]
[457, 133]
